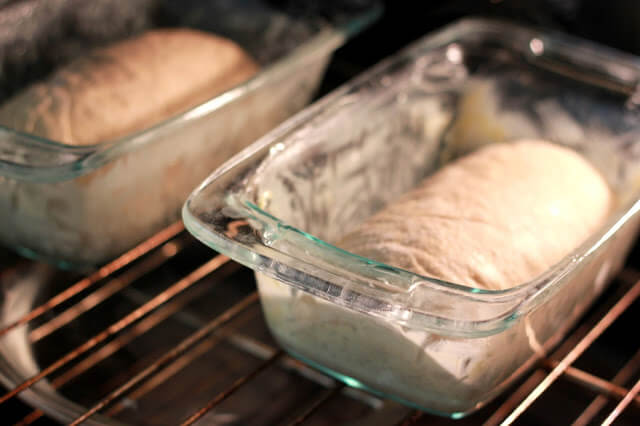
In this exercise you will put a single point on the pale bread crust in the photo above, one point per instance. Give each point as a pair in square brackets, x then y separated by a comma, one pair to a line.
[494, 219]
[128, 86]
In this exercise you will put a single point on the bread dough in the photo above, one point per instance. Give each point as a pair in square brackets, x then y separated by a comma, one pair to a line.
[493, 219]
[128, 86]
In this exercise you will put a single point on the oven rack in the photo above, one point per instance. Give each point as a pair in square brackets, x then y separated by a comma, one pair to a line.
[610, 399]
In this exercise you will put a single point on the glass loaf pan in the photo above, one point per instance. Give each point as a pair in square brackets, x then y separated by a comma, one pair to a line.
[438, 346]
[82, 205]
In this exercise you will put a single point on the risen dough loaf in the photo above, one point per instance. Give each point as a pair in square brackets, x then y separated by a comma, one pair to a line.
[117, 90]
[128, 86]
[493, 219]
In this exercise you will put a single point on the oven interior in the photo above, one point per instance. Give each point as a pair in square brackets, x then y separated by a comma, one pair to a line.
[171, 333]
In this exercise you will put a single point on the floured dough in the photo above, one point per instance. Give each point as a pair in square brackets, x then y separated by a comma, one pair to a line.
[128, 86]
[493, 219]
[498, 217]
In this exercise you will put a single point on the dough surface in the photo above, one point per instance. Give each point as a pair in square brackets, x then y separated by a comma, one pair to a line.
[128, 86]
[493, 219]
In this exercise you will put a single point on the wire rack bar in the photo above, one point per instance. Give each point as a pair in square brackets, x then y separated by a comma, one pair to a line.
[155, 310]
[584, 343]
[105, 271]
[182, 362]
[625, 373]
[316, 404]
[170, 356]
[121, 324]
[622, 405]
[626, 278]
[590, 381]
[263, 351]
[135, 272]
[231, 389]
[119, 342]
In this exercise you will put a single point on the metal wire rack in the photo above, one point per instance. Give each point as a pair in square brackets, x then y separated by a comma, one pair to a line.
[213, 362]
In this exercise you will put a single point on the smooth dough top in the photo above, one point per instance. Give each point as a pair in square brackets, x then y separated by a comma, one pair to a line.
[494, 219]
[128, 86]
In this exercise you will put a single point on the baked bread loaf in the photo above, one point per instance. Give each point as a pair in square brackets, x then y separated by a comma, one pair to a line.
[128, 86]
[493, 219]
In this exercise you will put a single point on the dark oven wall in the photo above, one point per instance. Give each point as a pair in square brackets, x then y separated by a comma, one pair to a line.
[612, 22]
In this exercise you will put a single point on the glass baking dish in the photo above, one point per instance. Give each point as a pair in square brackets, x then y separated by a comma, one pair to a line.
[438, 346]
[82, 205]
